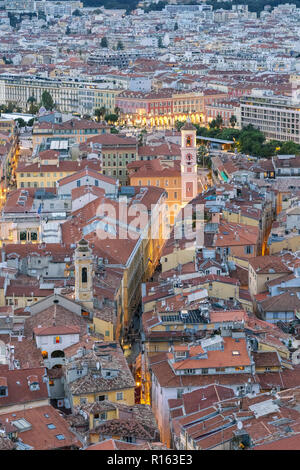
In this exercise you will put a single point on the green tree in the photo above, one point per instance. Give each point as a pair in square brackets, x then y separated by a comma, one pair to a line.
[201, 154]
[160, 43]
[77, 13]
[30, 122]
[233, 120]
[289, 148]
[120, 46]
[100, 113]
[47, 100]
[111, 118]
[229, 134]
[104, 42]
[21, 122]
[219, 121]
[175, 26]
[10, 107]
[212, 124]
[179, 125]
[31, 102]
[68, 31]
[41, 15]
[7, 61]
[251, 140]
[142, 137]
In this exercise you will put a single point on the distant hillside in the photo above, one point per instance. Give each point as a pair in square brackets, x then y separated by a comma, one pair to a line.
[129, 5]
[253, 5]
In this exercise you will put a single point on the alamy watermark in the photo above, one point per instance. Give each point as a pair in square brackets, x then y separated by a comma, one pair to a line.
[125, 221]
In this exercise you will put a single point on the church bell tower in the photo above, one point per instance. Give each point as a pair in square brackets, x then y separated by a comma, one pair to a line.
[84, 274]
[189, 178]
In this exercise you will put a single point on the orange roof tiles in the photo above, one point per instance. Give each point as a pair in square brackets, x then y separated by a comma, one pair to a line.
[40, 436]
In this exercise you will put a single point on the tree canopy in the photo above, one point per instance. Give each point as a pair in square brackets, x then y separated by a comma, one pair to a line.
[47, 100]
[249, 140]
[104, 42]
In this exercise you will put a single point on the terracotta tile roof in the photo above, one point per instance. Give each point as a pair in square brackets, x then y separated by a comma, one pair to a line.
[80, 124]
[87, 172]
[280, 279]
[55, 251]
[284, 443]
[285, 379]
[124, 428]
[63, 317]
[111, 140]
[164, 149]
[82, 190]
[230, 234]
[205, 397]
[287, 301]
[112, 357]
[49, 155]
[266, 359]
[234, 354]
[27, 353]
[18, 389]
[114, 444]
[56, 330]
[228, 316]
[268, 264]
[168, 379]
[156, 168]
[63, 166]
[40, 437]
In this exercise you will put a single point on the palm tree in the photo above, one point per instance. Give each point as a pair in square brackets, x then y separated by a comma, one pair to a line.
[31, 100]
[219, 121]
[117, 111]
[100, 113]
[202, 152]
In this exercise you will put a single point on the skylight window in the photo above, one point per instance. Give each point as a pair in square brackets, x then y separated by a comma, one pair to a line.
[60, 437]
[51, 426]
[235, 353]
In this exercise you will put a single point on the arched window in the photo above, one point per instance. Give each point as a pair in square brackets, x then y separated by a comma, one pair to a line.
[57, 353]
[188, 141]
[84, 275]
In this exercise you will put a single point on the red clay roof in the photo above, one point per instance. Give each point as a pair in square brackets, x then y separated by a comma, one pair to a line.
[18, 389]
[40, 437]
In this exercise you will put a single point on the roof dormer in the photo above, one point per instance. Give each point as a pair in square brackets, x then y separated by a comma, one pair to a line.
[3, 387]
[33, 383]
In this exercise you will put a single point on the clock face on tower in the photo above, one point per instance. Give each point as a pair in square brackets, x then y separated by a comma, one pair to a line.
[188, 158]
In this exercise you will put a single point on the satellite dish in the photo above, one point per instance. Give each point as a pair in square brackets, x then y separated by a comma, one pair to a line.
[240, 425]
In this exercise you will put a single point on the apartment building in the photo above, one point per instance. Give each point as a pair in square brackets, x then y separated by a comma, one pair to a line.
[77, 129]
[102, 374]
[225, 109]
[68, 95]
[164, 107]
[115, 152]
[278, 117]
[45, 174]
[223, 360]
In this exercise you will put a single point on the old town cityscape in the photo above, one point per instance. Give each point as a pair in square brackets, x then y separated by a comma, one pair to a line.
[149, 225]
